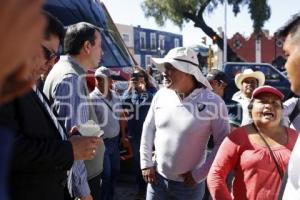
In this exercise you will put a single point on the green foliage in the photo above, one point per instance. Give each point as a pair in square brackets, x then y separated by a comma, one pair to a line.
[173, 10]
[181, 11]
[259, 12]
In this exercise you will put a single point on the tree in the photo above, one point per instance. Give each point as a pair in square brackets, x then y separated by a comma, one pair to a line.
[181, 11]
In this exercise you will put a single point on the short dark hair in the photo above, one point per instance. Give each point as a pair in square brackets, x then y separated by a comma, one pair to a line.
[217, 75]
[77, 34]
[53, 27]
[250, 107]
[290, 27]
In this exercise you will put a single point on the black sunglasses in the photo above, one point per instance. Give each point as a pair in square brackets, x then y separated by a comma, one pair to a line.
[49, 54]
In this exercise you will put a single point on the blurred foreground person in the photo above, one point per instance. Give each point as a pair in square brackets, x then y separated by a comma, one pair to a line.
[179, 123]
[258, 153]
[68, 93]
[291, 47]
[16, 16]
[42, 153]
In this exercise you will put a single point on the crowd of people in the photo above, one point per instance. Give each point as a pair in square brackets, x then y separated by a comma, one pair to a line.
[61, 141]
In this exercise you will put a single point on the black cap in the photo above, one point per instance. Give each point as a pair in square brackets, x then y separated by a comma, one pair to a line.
[135, 75]
[286, 28]
[217, 75]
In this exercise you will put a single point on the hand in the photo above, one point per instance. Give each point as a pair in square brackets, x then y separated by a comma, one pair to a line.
[188, 179]
[74, 131]
[89, 197]
[84, 148]
[142, 86]
[149, 175]
[127, 146]
[124, 141]
[133, 84]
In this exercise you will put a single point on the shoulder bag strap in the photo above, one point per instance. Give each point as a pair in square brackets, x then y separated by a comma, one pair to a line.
[271, 152]
[107, 105]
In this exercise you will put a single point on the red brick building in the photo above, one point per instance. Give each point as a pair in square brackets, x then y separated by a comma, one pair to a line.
[267, 49]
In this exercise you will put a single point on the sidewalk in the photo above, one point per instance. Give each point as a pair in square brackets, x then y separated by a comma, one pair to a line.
[125, 189]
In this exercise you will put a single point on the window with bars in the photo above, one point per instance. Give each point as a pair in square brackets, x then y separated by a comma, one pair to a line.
[142, 40]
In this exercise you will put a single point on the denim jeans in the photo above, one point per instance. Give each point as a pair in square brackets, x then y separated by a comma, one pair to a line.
[141, 184]
[166, 189]
[111, 167]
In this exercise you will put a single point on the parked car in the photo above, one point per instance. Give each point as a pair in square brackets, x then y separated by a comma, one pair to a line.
[273, 76]
[116, 55]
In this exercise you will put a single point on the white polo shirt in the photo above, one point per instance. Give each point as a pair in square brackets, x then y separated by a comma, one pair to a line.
[180, 130]
[108, 116]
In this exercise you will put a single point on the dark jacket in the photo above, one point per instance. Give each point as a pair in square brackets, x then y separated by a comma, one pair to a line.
[40, 158]
[138, 104]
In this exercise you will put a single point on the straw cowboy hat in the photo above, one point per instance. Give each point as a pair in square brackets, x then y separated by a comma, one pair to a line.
[249, 73]
[183, 59]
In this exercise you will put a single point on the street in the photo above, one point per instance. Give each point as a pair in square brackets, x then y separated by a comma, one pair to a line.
[125, 187]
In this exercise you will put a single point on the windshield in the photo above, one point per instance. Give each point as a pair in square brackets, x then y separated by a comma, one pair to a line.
[94, 12]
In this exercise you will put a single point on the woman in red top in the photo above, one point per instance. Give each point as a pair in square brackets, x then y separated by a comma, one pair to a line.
[258, 153]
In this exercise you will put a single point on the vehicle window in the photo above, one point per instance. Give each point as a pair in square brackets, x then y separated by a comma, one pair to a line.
[273, 77]
[233, 70]
[118, 54]
[70, 12]
[270, 74]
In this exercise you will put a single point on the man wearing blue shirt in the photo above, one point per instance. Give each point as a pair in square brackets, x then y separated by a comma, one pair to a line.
[67, 91]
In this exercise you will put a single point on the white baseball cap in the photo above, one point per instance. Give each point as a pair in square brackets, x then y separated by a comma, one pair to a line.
[183, 59]
[102, 72]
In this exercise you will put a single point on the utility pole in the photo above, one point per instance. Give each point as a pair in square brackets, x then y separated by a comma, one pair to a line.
[225, 33]
[210, 58]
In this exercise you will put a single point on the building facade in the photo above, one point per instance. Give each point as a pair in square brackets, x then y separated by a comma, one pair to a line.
[265, 48]
[126, 33]
[147, 43]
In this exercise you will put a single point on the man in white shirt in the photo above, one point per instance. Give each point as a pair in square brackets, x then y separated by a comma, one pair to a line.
[291, 117]
[108, 109]
[291, 47]
[180, 120]
[247, 81]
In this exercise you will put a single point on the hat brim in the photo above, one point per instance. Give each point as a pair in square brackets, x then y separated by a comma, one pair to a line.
[102, 76]
[183, 67]
[257, 75]
[268, 89]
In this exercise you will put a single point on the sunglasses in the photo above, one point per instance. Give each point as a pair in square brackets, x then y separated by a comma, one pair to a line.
[49, 54]
[224, 84]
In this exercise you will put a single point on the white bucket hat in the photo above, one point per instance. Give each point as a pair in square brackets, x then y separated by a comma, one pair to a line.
[249, 73]
[183, 59]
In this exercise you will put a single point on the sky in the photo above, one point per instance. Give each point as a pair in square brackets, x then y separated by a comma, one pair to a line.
[129, 12]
